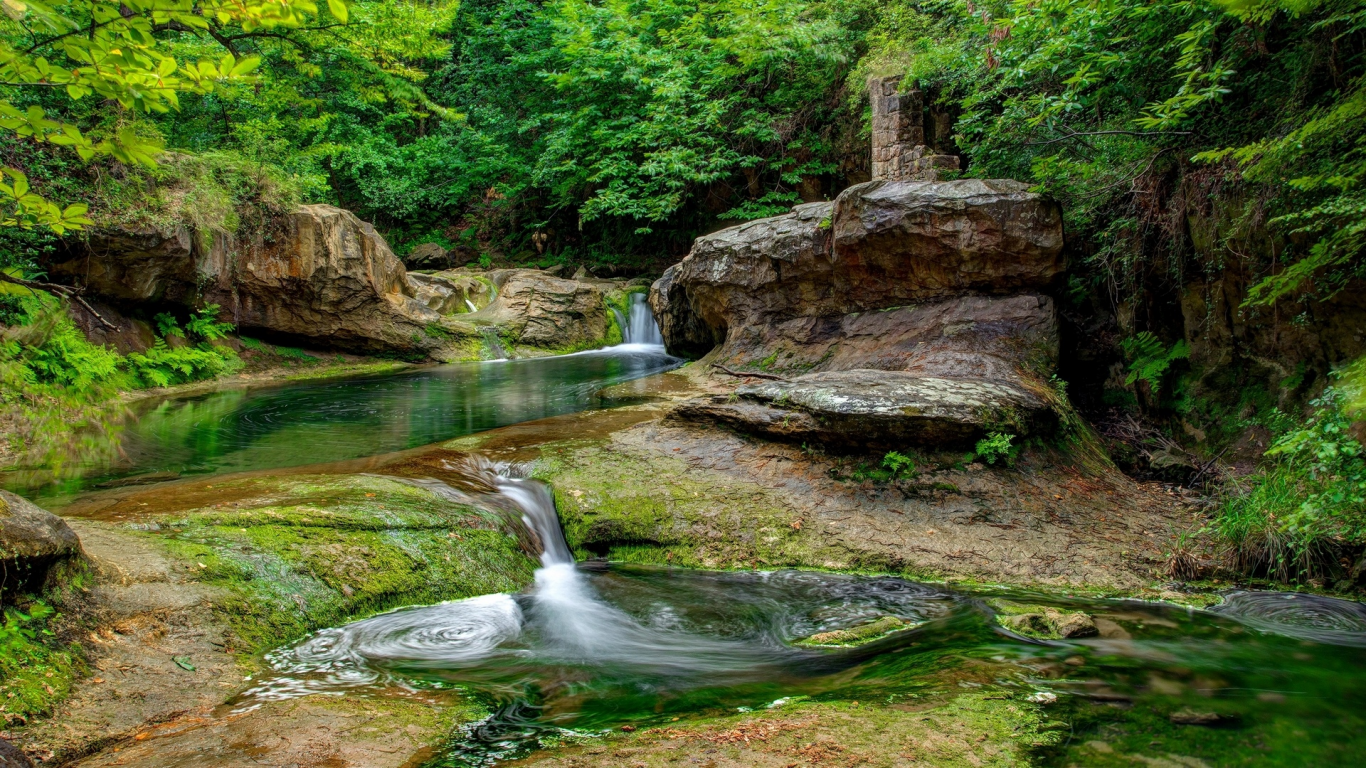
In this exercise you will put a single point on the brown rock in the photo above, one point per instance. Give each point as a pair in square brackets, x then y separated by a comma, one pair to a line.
[12, 757]
[539, 310]
[32, 540]
[685, 335]
[428, 256]
[323, 275]
[451, 292]
[1192, 717]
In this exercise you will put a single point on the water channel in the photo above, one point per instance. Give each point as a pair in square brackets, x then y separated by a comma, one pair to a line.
[595, 646]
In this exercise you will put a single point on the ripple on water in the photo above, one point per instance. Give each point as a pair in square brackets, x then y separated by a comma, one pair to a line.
[445, 636]
[1308, 617]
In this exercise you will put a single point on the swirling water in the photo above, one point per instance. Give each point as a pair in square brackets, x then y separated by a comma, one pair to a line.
[593, 646]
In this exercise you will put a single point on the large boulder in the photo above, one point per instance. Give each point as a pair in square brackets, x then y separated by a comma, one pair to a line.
[548, 313]
[904, 312]
[451, 292]
[321, 274]
[32, 540]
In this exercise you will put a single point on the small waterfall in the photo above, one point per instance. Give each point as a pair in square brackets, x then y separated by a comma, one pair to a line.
[470, 304]
[492, 343]
[640, 327]
[621, 323]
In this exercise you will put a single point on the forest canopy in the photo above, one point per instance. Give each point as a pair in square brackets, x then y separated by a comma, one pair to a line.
[620, 129]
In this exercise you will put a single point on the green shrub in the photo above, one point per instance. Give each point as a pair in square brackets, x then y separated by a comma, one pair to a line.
[35, 669]
[1149, 359]
[1292, 520]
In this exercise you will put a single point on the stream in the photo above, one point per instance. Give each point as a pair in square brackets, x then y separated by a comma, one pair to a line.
[595, 646]
[1271, 678]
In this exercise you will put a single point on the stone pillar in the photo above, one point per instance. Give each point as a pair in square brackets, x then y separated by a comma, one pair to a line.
[899, 151]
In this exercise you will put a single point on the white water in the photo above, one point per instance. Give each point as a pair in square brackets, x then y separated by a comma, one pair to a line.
[561, 621]
[640, 326]
[470, 304]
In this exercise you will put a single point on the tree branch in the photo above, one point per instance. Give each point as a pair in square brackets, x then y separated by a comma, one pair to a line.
[729, 372]
[66, 291]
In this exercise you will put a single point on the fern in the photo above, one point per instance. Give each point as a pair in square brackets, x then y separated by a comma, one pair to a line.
[1149, 359]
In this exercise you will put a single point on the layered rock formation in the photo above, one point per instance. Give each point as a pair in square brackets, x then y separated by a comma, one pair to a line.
[905, 312]
[534, 309]
[323, 274]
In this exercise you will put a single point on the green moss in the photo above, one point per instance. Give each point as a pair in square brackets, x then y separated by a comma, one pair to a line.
[645, 508]
[322, 551]
[860, 635]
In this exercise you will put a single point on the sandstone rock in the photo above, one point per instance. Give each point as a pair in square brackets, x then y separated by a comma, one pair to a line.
[127, 335]
[921, 240]
[31, 541]
[1051, 624]
[871, 408]
[322, 274]
[538, 310]
[685, 335]
[451, 292]
[427, 256]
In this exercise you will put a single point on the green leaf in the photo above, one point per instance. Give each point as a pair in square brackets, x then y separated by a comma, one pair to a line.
[338, 9]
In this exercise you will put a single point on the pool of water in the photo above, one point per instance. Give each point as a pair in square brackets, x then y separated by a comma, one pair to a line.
[325, 421]
[600, 648]
[1274, 678]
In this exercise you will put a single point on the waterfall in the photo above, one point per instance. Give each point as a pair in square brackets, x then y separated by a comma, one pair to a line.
[640, 327]
[492, 344]
[470, 304]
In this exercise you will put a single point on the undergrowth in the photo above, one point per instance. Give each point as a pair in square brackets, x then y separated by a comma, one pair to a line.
[1304, 516]
[36, 669]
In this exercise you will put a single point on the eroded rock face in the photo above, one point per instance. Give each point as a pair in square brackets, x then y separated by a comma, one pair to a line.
[539, 310]
[685, 335]
[904, 312]
[323, 274]
[916, 240]
[451, 292]
[427, 256]
[31, 541]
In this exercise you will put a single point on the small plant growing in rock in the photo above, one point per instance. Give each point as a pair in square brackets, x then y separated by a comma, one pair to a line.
[899, 464]
[997, 447]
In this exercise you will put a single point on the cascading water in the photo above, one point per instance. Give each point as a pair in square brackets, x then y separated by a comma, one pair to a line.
[640, 325]
[587, 648]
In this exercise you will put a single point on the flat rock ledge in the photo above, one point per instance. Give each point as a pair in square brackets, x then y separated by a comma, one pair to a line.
[865, 408]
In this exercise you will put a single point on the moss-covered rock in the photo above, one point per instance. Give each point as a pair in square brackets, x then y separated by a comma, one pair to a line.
[855, 636]
[1044, 622]
[317, 551]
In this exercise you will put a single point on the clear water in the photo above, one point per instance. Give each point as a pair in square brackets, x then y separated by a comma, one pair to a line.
[591, 648]
[310, 423]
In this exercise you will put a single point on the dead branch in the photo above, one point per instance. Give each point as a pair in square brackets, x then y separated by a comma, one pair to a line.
[738, 375]
[65, 291]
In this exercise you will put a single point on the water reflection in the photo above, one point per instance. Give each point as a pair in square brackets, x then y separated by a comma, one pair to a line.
[308, 423]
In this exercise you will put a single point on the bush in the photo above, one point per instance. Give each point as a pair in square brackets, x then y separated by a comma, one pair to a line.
[1296, 518]
[162, 366]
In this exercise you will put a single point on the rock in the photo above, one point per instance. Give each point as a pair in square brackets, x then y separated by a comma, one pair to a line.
[854, 636]
[1046, 623]
[12, 757]
[1192, 717]
[582, 273]
[1074, 625]
[451, 292]
[873, 408]
[323, 275]
[127, 335]
[428, 256]
[32, 540]
[685, 335]
[912, 241]
[538, 310]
